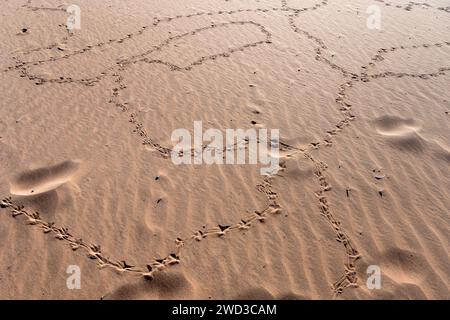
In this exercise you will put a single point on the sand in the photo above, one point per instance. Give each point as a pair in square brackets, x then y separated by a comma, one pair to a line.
[86, 176]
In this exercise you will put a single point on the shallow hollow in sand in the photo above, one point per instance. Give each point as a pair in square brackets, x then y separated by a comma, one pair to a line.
[43, 180]
[395, 126]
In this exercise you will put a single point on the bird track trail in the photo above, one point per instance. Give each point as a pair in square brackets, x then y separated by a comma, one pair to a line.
[29, 5]
[148, 270]
[410, 5]
[93, 251]
[349, 278]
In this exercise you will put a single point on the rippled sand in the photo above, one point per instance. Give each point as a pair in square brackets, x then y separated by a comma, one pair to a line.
[86, 118]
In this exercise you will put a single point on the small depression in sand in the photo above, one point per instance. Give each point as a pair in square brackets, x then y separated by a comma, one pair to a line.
[42, 180]
[166, 285]
[404, 266]
[401, 132]
[395, 126]
[3, 126]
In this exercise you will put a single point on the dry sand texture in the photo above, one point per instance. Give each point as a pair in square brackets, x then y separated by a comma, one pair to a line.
[85, 123]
